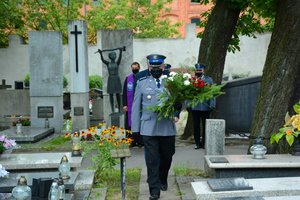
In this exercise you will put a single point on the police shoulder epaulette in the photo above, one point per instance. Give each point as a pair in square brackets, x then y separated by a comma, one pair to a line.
[143, 78]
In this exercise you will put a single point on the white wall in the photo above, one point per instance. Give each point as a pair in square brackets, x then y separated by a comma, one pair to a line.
[14, 60]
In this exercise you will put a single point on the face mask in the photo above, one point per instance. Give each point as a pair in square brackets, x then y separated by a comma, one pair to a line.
[156, 72]
[135, 71]
[199, 74]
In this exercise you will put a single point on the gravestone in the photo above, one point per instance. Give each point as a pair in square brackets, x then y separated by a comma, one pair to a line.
[46, 79]
[215, 141]
[112, 39]
[215, 137]
[79, 74]
[4, 86]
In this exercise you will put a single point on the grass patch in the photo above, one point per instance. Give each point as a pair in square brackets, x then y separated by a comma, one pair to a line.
[50, 145]
[183, 171]
[112, 181]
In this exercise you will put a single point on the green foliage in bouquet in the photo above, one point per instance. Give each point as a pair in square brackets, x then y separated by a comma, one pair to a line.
[182, 88]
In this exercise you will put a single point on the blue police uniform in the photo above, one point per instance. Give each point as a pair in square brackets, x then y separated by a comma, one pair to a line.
[201, 112]
[158, 135]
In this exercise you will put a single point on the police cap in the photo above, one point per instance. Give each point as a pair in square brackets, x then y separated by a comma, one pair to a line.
[199, 66]
[167, 66]
[156, 59]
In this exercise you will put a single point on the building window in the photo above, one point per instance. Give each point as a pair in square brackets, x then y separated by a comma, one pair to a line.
[195, 1]
[195, 21]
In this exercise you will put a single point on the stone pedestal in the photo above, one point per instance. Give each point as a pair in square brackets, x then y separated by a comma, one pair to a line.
[79, 74]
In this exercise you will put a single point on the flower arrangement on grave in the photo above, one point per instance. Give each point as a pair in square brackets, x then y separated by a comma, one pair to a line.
[180, 88]
[98, 142]
[291, 129]
[24, 122]
[6, 144]
[3, 172]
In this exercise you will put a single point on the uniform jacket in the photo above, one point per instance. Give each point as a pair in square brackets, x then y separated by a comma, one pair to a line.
[144, 120]
[206, 105]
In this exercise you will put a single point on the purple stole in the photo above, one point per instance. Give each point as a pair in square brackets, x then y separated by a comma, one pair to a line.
[129, 93]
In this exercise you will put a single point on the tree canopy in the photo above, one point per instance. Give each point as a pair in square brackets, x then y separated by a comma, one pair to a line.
[143, 17]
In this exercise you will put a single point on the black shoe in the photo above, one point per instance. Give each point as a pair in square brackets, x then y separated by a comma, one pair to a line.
[164, 187]
[197, 147]
[154, 197]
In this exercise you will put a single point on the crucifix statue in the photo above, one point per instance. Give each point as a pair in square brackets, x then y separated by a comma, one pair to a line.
[113, 82]
[76, 33]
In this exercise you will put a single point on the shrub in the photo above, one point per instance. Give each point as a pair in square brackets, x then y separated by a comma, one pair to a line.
[27, 81]
[95, 81]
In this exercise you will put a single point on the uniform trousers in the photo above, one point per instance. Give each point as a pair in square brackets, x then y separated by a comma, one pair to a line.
[158, 156]
[199, 117]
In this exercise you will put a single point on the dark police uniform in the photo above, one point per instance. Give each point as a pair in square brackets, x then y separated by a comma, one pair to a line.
[158, 135]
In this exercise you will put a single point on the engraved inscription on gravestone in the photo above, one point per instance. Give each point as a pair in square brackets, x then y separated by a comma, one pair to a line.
[218, 160]
[45, 112]
[78, 111]
[228, 184]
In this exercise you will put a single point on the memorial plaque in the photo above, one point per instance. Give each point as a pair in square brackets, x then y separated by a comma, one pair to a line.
[45, 112]
[78, 111]
[228, 184]
[218, 160]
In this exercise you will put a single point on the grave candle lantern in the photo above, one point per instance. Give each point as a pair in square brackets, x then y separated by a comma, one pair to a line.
[19, 128]
[22, 191]
[64, 168]
[258, 150]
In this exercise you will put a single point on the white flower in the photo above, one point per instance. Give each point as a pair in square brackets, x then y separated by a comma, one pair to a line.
[173, 74]
[3, 172]
[186, 82]
[171, 78]
[186, 76]
[164, 76]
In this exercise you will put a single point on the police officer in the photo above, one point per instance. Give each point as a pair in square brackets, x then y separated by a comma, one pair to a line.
[158, 135]
[201, 111]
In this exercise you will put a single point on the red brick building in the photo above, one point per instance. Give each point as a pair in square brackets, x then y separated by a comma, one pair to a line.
[186, 11]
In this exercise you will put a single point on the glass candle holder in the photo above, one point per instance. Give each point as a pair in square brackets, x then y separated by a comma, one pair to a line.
[258, 150]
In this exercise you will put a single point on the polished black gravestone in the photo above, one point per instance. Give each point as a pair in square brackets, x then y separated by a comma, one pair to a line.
[228, 184]
[115, 119]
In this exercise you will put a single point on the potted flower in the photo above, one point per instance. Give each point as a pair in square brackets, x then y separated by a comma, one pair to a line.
[291, 129]
[6, 144]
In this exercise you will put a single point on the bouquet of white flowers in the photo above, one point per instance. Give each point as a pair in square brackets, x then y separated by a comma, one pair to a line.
[180, 87]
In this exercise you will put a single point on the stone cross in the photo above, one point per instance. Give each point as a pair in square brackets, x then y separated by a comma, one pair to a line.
[76, 33]
[4, 86]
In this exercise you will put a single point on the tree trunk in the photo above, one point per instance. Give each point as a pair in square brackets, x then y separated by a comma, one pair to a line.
[216, 38]
[214, 44]
[279, 88]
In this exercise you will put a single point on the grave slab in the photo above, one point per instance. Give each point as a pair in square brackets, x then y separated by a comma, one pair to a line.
[7, 184]
[262, 187]
[85, 180]
[67, 197]
[274, 165]
[29, 134]
[37, 161]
